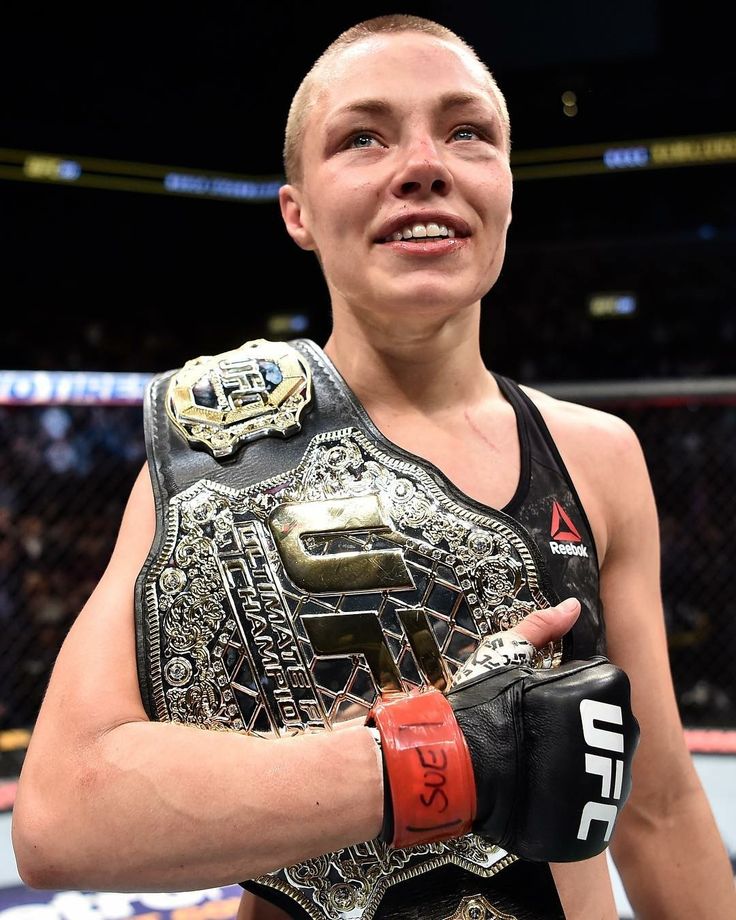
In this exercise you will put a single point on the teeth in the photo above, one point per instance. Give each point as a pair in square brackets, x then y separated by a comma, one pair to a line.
[421, 231]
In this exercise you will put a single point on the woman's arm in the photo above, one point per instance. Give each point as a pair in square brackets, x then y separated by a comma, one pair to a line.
[108, 799]
[666, 846]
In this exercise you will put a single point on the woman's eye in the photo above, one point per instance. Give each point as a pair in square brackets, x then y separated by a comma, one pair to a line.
[466, 133]
[362, 140]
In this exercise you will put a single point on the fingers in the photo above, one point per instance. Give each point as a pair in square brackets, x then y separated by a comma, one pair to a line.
[543, 626]
[516, 646]
[501, 650]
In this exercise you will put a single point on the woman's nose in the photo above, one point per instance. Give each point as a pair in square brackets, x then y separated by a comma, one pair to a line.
[423, 170]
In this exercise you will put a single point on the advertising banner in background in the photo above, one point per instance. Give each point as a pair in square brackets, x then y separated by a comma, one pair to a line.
[210, 904]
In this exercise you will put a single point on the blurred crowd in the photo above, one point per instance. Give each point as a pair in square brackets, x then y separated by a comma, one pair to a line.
[684, 324]
[65, 473]
[693, 471]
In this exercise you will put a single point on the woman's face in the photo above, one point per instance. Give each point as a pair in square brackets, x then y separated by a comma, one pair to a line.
[405, 192]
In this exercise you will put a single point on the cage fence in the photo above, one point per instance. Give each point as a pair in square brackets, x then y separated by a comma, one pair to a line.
[65, 474]
[687, 430]
[66, 471]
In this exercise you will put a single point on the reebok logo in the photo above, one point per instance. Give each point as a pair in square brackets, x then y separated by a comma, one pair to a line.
[562, 527]
[566, 541]
[568, 549]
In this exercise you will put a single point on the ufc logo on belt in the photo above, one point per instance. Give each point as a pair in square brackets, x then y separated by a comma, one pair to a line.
[592, 712]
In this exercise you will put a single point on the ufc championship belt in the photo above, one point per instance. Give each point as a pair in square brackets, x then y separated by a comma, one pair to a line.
[303, 564]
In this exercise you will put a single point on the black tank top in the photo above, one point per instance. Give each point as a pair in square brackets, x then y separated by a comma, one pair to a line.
[547, 506]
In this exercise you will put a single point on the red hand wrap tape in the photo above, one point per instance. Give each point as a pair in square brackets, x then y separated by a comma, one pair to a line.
[428, 765]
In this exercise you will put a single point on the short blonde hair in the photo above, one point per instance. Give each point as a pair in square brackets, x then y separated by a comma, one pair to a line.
[306, 95]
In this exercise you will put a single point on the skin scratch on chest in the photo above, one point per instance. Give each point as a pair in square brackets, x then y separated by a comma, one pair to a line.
[479, 431]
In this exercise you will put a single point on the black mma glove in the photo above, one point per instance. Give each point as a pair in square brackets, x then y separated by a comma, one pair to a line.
[538, 761]
[552, 753]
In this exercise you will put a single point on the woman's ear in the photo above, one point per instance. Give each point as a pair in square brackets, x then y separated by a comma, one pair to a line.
[294, 217]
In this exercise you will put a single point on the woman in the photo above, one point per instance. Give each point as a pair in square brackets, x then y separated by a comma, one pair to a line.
[397, 158]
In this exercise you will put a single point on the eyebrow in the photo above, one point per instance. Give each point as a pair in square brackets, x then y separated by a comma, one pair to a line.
[447, 102]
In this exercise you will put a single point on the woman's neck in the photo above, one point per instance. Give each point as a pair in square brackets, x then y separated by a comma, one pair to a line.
[426, 366]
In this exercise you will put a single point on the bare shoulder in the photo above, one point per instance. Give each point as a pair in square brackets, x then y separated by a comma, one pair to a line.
[588, 436]
[137, 527]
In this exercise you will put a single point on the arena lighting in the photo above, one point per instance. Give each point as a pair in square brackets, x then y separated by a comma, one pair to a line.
[604, 306]
[284, 323]
[124, 176]
[45, 167]
[71, 388]
[591, 159]
[547, 163]
[626, 157]
[569, 104]
[219, 187]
